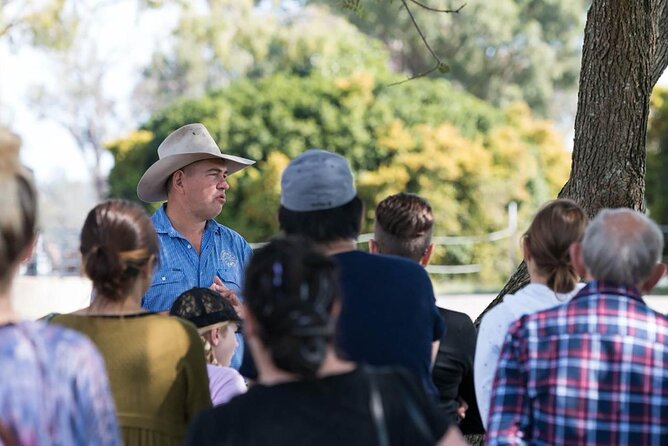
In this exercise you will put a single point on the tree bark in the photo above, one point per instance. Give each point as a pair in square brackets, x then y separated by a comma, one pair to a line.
[625, 46]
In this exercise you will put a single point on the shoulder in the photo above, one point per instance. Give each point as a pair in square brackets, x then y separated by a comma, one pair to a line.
[160, 221]
[455, 318]
[68, 349]
[222, 375]
[497, 319]
[389, 266]
[458, 323]
[174, 324]
[226, 232]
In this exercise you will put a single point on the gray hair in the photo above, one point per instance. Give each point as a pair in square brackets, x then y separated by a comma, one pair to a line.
[622, 246]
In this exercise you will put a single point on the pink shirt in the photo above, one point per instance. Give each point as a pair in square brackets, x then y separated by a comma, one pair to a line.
[224, 383]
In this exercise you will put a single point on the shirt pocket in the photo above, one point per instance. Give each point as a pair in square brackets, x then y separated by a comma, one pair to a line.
[230, 278]
[170, 277]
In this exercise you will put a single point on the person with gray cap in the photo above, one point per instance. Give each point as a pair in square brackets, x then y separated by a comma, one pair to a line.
[195, 250]
[592, 371]
[388, 314]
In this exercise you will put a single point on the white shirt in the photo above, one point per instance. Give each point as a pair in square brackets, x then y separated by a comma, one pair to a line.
[492, 332]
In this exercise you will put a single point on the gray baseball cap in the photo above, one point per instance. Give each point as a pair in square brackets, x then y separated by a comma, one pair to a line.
[317, 180]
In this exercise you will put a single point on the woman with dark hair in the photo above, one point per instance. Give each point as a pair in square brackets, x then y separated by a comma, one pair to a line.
[546, 243]
[305, 394]
[53, 385]
[155, 363]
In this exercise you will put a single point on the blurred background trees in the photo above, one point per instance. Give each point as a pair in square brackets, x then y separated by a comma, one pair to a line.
[271, 78]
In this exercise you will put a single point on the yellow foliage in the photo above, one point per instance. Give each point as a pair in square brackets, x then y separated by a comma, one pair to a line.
[359, 85]
[395, 137]
[135, 139]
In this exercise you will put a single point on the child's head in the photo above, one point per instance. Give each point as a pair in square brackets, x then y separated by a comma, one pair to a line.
[215, 319]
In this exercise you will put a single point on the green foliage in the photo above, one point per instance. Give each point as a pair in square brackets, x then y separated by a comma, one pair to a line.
[500, 51]
[231, 40]
[426, 136]
[656, 187]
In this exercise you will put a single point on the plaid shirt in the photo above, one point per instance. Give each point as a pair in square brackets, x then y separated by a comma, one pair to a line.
[593, 371]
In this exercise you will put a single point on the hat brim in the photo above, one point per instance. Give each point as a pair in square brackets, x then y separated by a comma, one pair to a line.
[151, 186]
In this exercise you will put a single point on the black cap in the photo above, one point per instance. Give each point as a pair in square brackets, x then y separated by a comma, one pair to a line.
[204, 307]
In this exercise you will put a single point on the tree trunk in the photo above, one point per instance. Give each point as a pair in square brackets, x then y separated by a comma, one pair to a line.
[624, 49]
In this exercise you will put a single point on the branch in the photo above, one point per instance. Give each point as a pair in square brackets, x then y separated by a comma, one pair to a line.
[440, 65]
[661, 51]
[429, 8]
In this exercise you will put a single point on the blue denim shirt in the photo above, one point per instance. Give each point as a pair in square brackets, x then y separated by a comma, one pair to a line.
[224, 253]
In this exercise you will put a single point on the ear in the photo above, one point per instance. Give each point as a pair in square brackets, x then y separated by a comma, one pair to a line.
[213, 336]
[336, 309]
[657, 273]
[577, 260]
[426, 257]
[147, 270]
[177, 180]
[373, 246]
[525, 250]
[28, 250]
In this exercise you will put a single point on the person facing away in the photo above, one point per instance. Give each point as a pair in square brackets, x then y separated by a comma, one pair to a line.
[306, 395]
[217, 323]
[195, 251]
[155, 363]
[591, 371]
[553, 280]
[388, 314]
[53, 384]
[403, 227]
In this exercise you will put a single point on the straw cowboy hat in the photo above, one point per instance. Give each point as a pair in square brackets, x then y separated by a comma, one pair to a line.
[184, 146]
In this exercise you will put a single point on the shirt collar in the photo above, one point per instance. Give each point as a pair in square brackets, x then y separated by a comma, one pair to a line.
[163, 224]
[609, 288]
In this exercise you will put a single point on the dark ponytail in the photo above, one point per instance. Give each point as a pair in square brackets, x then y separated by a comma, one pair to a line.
[290, 289]
[117, 241]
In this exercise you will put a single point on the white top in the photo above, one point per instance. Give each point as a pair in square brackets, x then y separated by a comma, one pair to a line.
[492, 332]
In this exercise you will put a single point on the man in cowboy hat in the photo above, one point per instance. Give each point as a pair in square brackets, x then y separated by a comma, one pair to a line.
[195, 251]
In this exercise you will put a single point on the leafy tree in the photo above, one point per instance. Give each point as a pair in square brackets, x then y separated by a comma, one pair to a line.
[463, 157]
[501, 51]
[230, 39]
[657, 157]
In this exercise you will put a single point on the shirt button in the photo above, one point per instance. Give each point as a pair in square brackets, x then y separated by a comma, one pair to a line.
[164, 278]
[189, 247]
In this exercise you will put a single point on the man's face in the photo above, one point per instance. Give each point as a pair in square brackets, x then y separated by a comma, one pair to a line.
[205, 184]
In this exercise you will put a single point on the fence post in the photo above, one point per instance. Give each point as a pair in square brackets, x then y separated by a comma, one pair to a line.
[512, 229]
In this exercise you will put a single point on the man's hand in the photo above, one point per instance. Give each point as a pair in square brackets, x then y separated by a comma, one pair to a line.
[228, 294]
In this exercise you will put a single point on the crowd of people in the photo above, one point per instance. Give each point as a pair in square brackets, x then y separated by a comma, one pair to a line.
[192, 338]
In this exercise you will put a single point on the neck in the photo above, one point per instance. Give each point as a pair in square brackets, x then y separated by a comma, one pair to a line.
[184, 222]
[534, 275]
[7, 314]
[338, 246]
[129, 304]
[333, 365]
[102, 305]
[270, 375]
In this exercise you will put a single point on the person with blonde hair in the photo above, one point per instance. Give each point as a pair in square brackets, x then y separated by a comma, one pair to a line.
[556, 226]
[53, 384]
[217, 323]
[155, 362]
